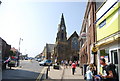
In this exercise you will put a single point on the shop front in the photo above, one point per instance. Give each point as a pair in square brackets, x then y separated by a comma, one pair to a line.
[111, 53]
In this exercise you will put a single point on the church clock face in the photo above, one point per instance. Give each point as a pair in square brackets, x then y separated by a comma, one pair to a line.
[62, 28]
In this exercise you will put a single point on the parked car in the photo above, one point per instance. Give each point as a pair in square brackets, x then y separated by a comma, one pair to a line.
[26, 58]
[45, 62]
[39, 60]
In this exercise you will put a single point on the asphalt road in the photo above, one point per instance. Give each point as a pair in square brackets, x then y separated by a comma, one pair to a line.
[29, 71]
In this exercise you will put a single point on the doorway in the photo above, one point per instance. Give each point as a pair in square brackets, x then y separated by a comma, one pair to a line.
[114, 60]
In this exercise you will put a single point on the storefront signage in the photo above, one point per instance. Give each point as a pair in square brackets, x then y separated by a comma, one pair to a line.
[83, 35]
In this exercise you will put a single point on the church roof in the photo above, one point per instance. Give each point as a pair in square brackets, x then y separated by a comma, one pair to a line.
[74, 34]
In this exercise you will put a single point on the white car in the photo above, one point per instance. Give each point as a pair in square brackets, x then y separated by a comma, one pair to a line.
[39, 60]
[45, 62]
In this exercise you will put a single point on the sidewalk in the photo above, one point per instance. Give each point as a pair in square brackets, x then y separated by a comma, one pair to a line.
[55, 74]
[65, 73]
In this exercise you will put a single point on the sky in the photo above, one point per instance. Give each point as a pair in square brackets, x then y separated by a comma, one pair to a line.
[37, 22]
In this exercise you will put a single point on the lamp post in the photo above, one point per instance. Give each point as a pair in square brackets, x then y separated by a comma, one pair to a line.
[19, 52]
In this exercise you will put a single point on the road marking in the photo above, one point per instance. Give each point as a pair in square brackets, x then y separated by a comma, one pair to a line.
[40, 75]
[63, 74]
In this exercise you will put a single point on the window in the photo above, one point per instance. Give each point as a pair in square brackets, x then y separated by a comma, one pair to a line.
[102, 24]
[114, 56]
[105, 53]
[100, 4]
[62, 36]
[75, 43]
[89, 20]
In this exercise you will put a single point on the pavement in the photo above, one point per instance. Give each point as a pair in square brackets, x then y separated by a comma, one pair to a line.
[65, 74]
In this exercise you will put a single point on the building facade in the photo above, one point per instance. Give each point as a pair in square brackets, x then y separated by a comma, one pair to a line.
[73, 47]
[66, 49]
[4, 51]
[87, 36]
[47, 52]
[108, 33]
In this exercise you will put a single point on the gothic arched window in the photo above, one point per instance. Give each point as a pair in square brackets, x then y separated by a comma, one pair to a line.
[75, 43]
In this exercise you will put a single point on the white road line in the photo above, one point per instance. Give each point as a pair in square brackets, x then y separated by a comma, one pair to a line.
[40, 75]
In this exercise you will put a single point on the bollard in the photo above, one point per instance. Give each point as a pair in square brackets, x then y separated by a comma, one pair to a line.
[49, 67]
[47, 74]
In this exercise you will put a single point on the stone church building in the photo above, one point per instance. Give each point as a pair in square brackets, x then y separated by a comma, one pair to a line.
[66, 48]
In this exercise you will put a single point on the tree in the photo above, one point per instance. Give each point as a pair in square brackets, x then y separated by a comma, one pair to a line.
[11, 53]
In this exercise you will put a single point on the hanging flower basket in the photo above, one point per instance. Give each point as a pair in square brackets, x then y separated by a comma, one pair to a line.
[11, 64]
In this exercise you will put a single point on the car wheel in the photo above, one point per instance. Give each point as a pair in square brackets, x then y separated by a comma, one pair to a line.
[44, 64]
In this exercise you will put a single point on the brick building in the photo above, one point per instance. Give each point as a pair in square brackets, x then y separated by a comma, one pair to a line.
[87, 35]
[4, 50]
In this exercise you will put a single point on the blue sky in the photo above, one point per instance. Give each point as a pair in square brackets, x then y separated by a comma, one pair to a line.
[37, 22]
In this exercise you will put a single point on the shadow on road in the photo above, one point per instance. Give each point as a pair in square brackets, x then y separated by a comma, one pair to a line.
[19, 75]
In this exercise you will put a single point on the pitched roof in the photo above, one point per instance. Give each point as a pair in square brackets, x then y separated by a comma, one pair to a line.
[74, 34]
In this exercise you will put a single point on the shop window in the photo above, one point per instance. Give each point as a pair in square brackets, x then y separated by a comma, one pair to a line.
[105, 53]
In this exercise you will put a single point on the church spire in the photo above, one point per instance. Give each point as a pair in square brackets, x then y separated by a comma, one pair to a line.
[62, 23]
[62, 16]
[62, 34]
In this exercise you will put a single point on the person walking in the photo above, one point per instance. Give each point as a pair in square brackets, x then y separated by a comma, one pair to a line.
[70, 63]
[73, 67]
[66, 63]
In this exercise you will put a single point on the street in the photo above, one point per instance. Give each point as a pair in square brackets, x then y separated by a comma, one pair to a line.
[29, 70]
[63, 40]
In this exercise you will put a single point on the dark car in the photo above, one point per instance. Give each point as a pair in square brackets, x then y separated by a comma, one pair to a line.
[26, 58]
[45, 62]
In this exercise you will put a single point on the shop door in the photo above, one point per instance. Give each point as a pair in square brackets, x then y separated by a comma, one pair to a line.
[114, 59]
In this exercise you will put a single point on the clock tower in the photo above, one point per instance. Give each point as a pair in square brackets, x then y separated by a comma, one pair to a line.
[61, 41]
[61, 35]
[65, 48]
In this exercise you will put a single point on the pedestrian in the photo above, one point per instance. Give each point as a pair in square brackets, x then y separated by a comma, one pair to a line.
[62, 62]
[73, 67]
[76, 63]
[108, 72]
[93, 68]
[66, 63]
[70, 63]
[89, 74]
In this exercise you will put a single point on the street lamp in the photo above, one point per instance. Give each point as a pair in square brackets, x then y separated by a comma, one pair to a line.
[19, 51]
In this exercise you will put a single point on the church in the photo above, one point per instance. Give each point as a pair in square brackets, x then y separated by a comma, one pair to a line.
[66, 48]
